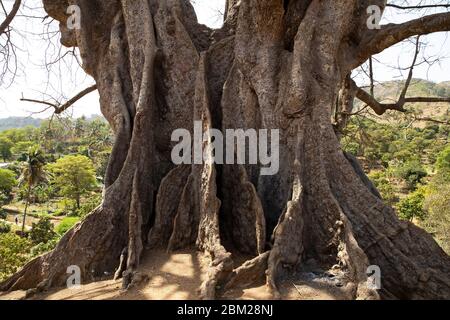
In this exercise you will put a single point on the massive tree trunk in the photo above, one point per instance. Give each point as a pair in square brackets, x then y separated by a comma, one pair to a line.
[273, 65]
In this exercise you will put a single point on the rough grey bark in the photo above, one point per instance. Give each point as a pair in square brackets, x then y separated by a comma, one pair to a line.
[273, 65]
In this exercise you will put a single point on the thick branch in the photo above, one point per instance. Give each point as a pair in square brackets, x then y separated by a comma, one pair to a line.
[427, 99]
[425, 6]
[9, 18]
[432, 120]
[391, 34]
[60, 108]
[379, 108]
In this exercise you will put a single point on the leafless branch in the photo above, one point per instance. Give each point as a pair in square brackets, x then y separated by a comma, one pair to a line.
[60, 108]
[381, 108]
[9, 18]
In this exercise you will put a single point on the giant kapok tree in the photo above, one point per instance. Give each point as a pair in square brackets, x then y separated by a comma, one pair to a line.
[273, 65]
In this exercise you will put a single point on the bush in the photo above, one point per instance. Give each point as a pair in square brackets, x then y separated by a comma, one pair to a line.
[101, 161]
[90, 204]
[383, 185]
[437, 203]
[14, 253]
[43, 193]
[443, 160]
[7, 183]
[66, 224]
[412, 206]
[3, 214]
[42, 248]
[66, 207]
[412, 172]
[4, 227]
[42, 232]
[352, 148]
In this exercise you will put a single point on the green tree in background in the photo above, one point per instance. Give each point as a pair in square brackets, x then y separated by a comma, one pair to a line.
[74, 176]
[412, 172]
[13, 253]
[42, 231]
[32, 174]
[5, 148]
[20, 149]
[7, 183]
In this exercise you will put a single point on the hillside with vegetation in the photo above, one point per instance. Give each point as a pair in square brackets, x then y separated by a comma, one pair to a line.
[407, 157]
[18, 122]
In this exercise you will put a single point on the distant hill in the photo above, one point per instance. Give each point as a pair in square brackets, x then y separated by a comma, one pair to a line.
[95, 117]
[418, 88]
[21, 122]
[389, 92]
[18, 122]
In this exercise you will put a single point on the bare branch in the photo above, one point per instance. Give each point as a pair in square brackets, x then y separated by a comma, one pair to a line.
[424, 6]
[428, 119]
[9, 18]
[381, 108]
[372, 86]
[60, 108]
[426, 99]
[401, 100]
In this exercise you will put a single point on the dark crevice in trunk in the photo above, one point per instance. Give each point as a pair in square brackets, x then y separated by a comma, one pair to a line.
[295, 11]
[286, 4]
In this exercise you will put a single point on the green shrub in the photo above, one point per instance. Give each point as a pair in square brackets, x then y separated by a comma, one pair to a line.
[383, 185]
[7, 183]
[437, 204]
[59, 213]
[66, 207]
[43, 193]
[443, 160]
[89, 205]
[14, 253]
[412, 206]
[412, 172]
[352, 148]
[66, 224]
[42, 231]
[4, 227]
[42, 248]
[3, 214]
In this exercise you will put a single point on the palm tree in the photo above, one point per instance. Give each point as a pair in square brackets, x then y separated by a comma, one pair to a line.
[32, 175]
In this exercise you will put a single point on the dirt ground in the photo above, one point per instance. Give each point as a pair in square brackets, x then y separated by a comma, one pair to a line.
[177, 276]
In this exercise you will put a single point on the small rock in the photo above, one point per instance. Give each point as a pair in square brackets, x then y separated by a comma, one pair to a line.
[42, 286]
[424, 276]
[335, 267]
[137, 279]
[30, 293]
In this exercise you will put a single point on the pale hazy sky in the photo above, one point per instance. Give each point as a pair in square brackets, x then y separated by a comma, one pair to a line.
[34, 81]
